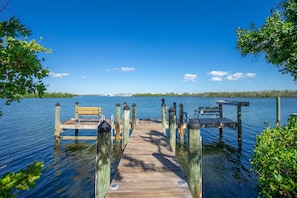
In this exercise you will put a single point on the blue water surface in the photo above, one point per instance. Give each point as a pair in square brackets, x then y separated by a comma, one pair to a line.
[27, 134]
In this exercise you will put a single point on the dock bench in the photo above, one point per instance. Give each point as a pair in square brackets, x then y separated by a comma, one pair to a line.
[88, 118]
[215, 116]
[217, 119]
[211, 117]
[209, 111]
[80, 112]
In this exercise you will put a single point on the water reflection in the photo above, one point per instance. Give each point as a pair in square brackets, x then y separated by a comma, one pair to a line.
[225, 169]
[75, 163]
[74, 167]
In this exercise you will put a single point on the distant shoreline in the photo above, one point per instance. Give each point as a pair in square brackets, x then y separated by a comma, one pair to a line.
[243, 94]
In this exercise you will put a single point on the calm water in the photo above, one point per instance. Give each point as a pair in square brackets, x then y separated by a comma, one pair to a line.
[27, 134]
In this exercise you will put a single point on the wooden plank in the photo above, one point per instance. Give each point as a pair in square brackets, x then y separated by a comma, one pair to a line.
[88, 111]
[148, 167]
[217, 122]
[82, 124]
[235, 103]
[78, 137]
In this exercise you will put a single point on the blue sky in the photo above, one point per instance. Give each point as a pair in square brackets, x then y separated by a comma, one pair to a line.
[157, 46]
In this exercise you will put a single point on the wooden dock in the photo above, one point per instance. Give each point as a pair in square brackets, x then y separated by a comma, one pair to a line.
[148, 167]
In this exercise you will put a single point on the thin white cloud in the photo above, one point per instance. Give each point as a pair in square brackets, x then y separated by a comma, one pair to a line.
[235, 76]
[83, 77]
[127, 69]
[58, 75]
[219, 76]
[216, 78]
[239, 75]
[190, 77]
[250, 75]
[218, 73]
[122, 69]
[111, 70]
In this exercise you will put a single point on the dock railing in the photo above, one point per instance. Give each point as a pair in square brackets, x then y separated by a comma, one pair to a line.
[238, 104]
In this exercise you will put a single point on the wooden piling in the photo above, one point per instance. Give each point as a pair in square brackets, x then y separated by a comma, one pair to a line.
[239, 123]
[57, 121]
[278, 111]
[221, 116]
[133, 116]
[126, 125]
[194, 158]
[163, 113]
[174, 106]
[76, 117]
[76, 114]
[102, 181]
[181, 122]
[118, 121]
[172, 130]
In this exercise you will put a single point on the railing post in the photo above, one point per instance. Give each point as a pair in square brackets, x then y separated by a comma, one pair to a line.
[194, 158]
[181, 122]
[163, 113]
[76, 114]
[174, 106]
[278, 111]
[126, 125]
[221, 110]
[172, 130]
[102, 181]
[133, 116]
[118, 121]
[57, 121]
[239, 123]
[221, 116]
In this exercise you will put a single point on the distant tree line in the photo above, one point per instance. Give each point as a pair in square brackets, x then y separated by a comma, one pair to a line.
[244, 94]
[50, 95]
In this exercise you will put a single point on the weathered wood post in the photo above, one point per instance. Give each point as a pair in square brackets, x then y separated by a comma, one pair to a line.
[172, 130]
[194, 158]
[76, 106]
[118, 122]
[126, 125]
[163, 113]
[278, 111]
[239, 123]
[181, 122]
[76, 117]
[221, 116]
[174, 106]
[57, 121]
[102, 181]
[133, 116]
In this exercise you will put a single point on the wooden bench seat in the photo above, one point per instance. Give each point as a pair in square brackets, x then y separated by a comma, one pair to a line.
[208, 111]
[88, 111]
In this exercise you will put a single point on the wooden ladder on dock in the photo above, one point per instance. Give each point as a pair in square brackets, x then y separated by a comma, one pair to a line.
[148, 167]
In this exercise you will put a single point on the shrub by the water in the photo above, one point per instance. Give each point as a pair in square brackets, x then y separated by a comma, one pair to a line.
[275, 160]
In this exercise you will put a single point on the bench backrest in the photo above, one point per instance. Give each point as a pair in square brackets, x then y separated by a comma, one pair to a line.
[88, 111]
[209, 111]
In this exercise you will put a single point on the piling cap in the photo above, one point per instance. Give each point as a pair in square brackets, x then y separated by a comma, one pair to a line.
[193, 124]
[104, 127]
[118, 104]
[58, 104]
[171, 109]
[133, 105]
[126, 107]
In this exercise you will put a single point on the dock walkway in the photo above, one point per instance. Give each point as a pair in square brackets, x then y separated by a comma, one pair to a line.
[148, 167]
